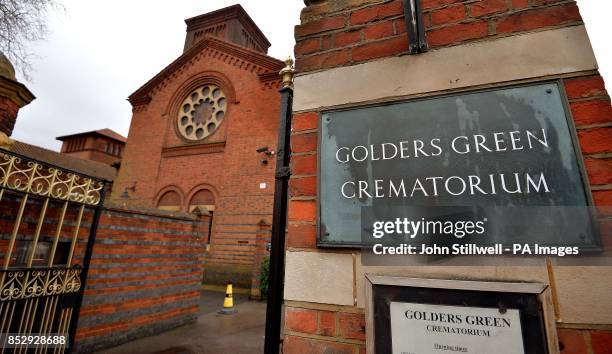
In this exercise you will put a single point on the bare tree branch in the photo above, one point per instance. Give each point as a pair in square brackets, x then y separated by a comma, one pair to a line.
[21, 23]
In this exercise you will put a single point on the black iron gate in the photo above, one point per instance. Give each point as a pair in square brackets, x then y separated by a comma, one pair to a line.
[48, 221]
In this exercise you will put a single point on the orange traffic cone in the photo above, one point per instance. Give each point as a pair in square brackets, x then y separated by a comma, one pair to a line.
[228, 302]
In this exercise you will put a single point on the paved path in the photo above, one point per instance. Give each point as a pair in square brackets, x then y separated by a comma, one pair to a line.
[242, 332]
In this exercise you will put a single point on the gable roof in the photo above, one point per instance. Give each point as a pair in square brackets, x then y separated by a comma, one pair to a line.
[104, 132]
[86, 167]
[268, 63]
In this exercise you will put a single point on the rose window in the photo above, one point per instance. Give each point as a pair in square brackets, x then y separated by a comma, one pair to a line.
[201, 112]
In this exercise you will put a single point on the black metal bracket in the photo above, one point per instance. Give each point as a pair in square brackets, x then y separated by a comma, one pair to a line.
[417, 40]
[283, 172]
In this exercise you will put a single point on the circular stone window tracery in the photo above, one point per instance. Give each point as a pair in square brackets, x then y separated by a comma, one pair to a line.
[201, 113]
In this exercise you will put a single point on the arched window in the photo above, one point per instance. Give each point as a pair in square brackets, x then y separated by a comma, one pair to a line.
[204, 199]
[170, 201]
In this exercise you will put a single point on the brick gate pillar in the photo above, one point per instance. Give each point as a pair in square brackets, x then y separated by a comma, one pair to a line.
[13, 96]
[356, 53]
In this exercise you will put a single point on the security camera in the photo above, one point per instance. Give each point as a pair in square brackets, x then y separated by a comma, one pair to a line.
[262, 149]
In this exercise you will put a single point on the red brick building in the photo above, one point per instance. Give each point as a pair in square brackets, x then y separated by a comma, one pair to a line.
[195, 131]
[103, 145]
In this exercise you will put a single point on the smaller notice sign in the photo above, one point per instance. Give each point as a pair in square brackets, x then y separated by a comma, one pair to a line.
[435, 329]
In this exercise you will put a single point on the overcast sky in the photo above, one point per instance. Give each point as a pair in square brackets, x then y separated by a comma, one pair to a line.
[99, 52]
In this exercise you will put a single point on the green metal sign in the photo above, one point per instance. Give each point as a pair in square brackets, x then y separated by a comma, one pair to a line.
[507, 147]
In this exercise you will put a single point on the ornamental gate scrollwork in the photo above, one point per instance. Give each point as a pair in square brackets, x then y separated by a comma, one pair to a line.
[48, 220]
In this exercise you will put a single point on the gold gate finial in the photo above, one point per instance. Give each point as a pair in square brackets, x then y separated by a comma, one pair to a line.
[286, 73]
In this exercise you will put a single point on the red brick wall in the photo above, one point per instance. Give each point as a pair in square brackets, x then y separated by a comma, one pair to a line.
[232, 171]
[301, 231]
[342, 33]
[336, 331]
[145, 272]
[144, 278]
[576, 341]
[592, 113]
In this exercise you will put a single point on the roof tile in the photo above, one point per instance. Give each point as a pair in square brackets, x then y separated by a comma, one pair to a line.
[87, 167]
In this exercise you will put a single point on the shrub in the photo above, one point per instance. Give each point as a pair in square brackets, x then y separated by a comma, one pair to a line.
[264, 277]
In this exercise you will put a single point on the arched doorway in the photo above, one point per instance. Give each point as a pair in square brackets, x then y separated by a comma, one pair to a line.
[202, 204]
